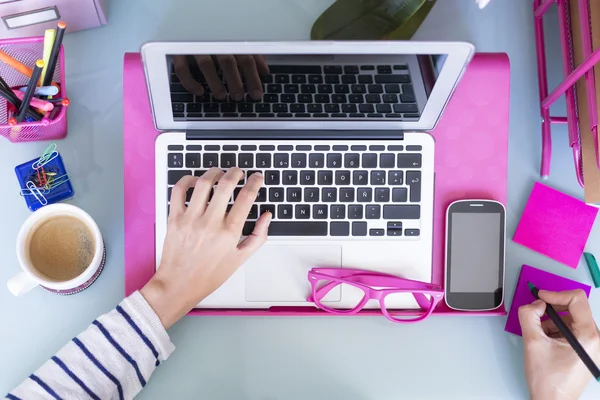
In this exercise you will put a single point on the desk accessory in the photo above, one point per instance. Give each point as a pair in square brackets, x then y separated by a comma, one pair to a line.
[568, 335]
[41, 127]
[33, 81]
[524, 296]
[555, 225]
[54, 52]
[590, 260]
[44, 180]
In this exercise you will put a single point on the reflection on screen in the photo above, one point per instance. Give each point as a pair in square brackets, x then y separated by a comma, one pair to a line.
[358, 87]
[475, 252]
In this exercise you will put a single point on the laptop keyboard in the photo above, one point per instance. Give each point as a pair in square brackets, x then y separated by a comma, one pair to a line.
[310, 91]
[318, 189]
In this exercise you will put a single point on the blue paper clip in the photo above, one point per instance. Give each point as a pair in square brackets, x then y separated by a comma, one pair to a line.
[48, 155]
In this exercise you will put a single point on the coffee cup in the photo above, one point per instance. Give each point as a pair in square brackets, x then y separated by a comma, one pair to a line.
[60, 248]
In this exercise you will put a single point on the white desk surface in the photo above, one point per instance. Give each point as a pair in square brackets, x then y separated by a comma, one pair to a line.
[278, 358]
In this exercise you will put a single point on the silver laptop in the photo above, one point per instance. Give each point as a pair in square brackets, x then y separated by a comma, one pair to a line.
[340, 132]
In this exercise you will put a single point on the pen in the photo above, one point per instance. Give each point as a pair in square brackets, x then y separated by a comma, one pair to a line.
[17, 65]
[43, 90]
[35, 102]
[37, 71]
[14, 100]
[60, 33]
[566, 332]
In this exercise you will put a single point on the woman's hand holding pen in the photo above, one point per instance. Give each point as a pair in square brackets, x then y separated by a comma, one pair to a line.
[203, 248]
[552, 368]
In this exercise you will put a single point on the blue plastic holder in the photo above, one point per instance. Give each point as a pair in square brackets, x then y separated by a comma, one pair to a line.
[27, 176]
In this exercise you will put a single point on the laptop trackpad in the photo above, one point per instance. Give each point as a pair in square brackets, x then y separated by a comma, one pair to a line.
[279, 273]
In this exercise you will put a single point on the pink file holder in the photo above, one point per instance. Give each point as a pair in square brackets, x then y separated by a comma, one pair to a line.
[27, 51]
[567, 86]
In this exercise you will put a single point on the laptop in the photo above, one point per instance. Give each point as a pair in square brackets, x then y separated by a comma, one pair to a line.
[340, 132]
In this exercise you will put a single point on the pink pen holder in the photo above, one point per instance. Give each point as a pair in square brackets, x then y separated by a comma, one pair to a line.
[54, 125]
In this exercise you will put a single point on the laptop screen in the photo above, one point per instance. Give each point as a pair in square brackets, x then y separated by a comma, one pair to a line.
[328, 87]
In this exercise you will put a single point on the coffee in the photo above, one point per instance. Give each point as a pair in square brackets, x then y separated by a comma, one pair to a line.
[61, 248]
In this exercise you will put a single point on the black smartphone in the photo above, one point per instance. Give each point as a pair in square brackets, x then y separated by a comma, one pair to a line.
[475, 252]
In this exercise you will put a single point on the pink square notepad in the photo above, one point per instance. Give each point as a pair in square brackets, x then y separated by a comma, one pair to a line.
[542, 280]
[555, 225]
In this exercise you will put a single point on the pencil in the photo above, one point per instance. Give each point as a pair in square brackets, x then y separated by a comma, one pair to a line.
[33, 81]
[566, 332]
[53, 60]
[15, 64]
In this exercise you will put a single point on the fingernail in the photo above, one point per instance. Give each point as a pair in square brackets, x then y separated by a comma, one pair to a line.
[259, 174]
[238, 96]
[220, 95]
[256, 94]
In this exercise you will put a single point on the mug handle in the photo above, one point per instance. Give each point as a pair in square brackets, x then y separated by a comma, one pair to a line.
[21, 284]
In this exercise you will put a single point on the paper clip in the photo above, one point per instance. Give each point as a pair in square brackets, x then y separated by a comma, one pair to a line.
[56, 182]
[48, 155]
[36, 192]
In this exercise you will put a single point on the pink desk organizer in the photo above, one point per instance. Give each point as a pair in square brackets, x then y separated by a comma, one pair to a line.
[27, 51]
[471, 162]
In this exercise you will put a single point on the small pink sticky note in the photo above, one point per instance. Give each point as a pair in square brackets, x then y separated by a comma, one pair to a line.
[555, 225]
[542, 280]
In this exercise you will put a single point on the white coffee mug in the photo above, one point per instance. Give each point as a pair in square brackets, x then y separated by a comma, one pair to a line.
[29, 278]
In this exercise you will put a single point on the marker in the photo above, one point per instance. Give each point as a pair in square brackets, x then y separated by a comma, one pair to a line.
[42, 90]
[16, 64]
[60, 33]
[35, 102]
[49, 37]
[566, 332]
[37, 71]
[14, 100]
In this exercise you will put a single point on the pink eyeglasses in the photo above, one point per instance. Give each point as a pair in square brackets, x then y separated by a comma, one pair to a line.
[326, 283]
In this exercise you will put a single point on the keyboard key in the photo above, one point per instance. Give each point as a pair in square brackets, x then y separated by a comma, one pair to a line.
[288, 98]
[322, 98]
[297, 108]
[348, 79]
[373, 98]
[332, 69]
[347, 195]
[315, 79]
[308, 89]
[292, 228]
[272, 177]
[261, 197]
[392, 231]
[282, 79]
[341, 89]
[175, 175]
[373, 211]
[299, 78]
[175, 160]
[349, 108]
[267, 207]
[367, 67]
[358, 89]
[401, 212]
[377, 147]
[387, 160]
[376, 89]
[280, 108]
[377, 177]
[376, 232]
[408, 94]
[355, 212]
[302, 211]
[298, 160]
[414, 148]
[339, 229]
[351, 69]
[332, 108]
[329, 79]
[384, 69]
[412, 232]
[178, 107]
[290, 177]
[246, 160]
[262, 108]
[325, 177]
[342, 177]
[384, 108]
[395, 178]
[253, 214]
[337, 212]
[400, 195]
[339, 98]
[364, 195]
[276, 194]
[329, 195]
[390, 98]
[366, 108]
[307, 177]
[316, 160]
[230, 147]
[199, 173]
[334, 160]
[227, 160]
[320, 211]
[192, 160]
[263, 160]
[193, 147]
[395, 147]
[325, 89]
[285, 115]
[212, 147]
[270, 98]
[274, 88]
[369, 160]
[281, 160]
[359, 229]
[351, 160]
[406, 108]
[314, 108]
[285, 211]
[182, 98]
[409, 160]
[413, 179]
[392, 78]
[360, 178]
[295, 69]
[382, 195]
[365, 79]
[311, 195]
[392, 88]
[210, 160]
[356, 98]
[305, 98]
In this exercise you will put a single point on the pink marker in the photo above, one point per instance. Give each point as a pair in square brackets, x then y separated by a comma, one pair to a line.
[35, 102]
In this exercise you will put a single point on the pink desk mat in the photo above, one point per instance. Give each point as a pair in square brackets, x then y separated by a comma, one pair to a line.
[471, 161]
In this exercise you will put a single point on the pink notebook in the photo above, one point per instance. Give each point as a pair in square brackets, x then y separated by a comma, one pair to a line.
[471, 162]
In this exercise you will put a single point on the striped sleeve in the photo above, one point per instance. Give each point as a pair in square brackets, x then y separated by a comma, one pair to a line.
[112, 359]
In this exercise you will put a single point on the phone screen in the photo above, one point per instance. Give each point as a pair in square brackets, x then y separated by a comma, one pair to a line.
[475, 255]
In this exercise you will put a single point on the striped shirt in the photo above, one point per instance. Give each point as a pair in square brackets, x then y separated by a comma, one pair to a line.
[112, 359]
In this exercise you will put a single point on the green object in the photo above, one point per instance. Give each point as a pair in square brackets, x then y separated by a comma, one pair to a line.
[593, 267]
[371, 19]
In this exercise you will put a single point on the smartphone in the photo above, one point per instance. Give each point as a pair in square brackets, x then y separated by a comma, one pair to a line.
[475, 252]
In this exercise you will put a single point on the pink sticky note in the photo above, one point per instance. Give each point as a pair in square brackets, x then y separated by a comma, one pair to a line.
[542, 280]
[555, 225]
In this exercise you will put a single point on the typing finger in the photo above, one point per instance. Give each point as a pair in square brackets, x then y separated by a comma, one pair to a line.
[223, 192]
[232, 76]
[202, 190]
[577, 304]
[244, 201]
[209, 70]
[249, 69]
[530, 318]
[182, 69]
[252, 243]
[261, 65]
[179, 194]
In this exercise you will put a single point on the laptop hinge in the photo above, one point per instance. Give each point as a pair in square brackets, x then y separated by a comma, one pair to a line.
[295, 134]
